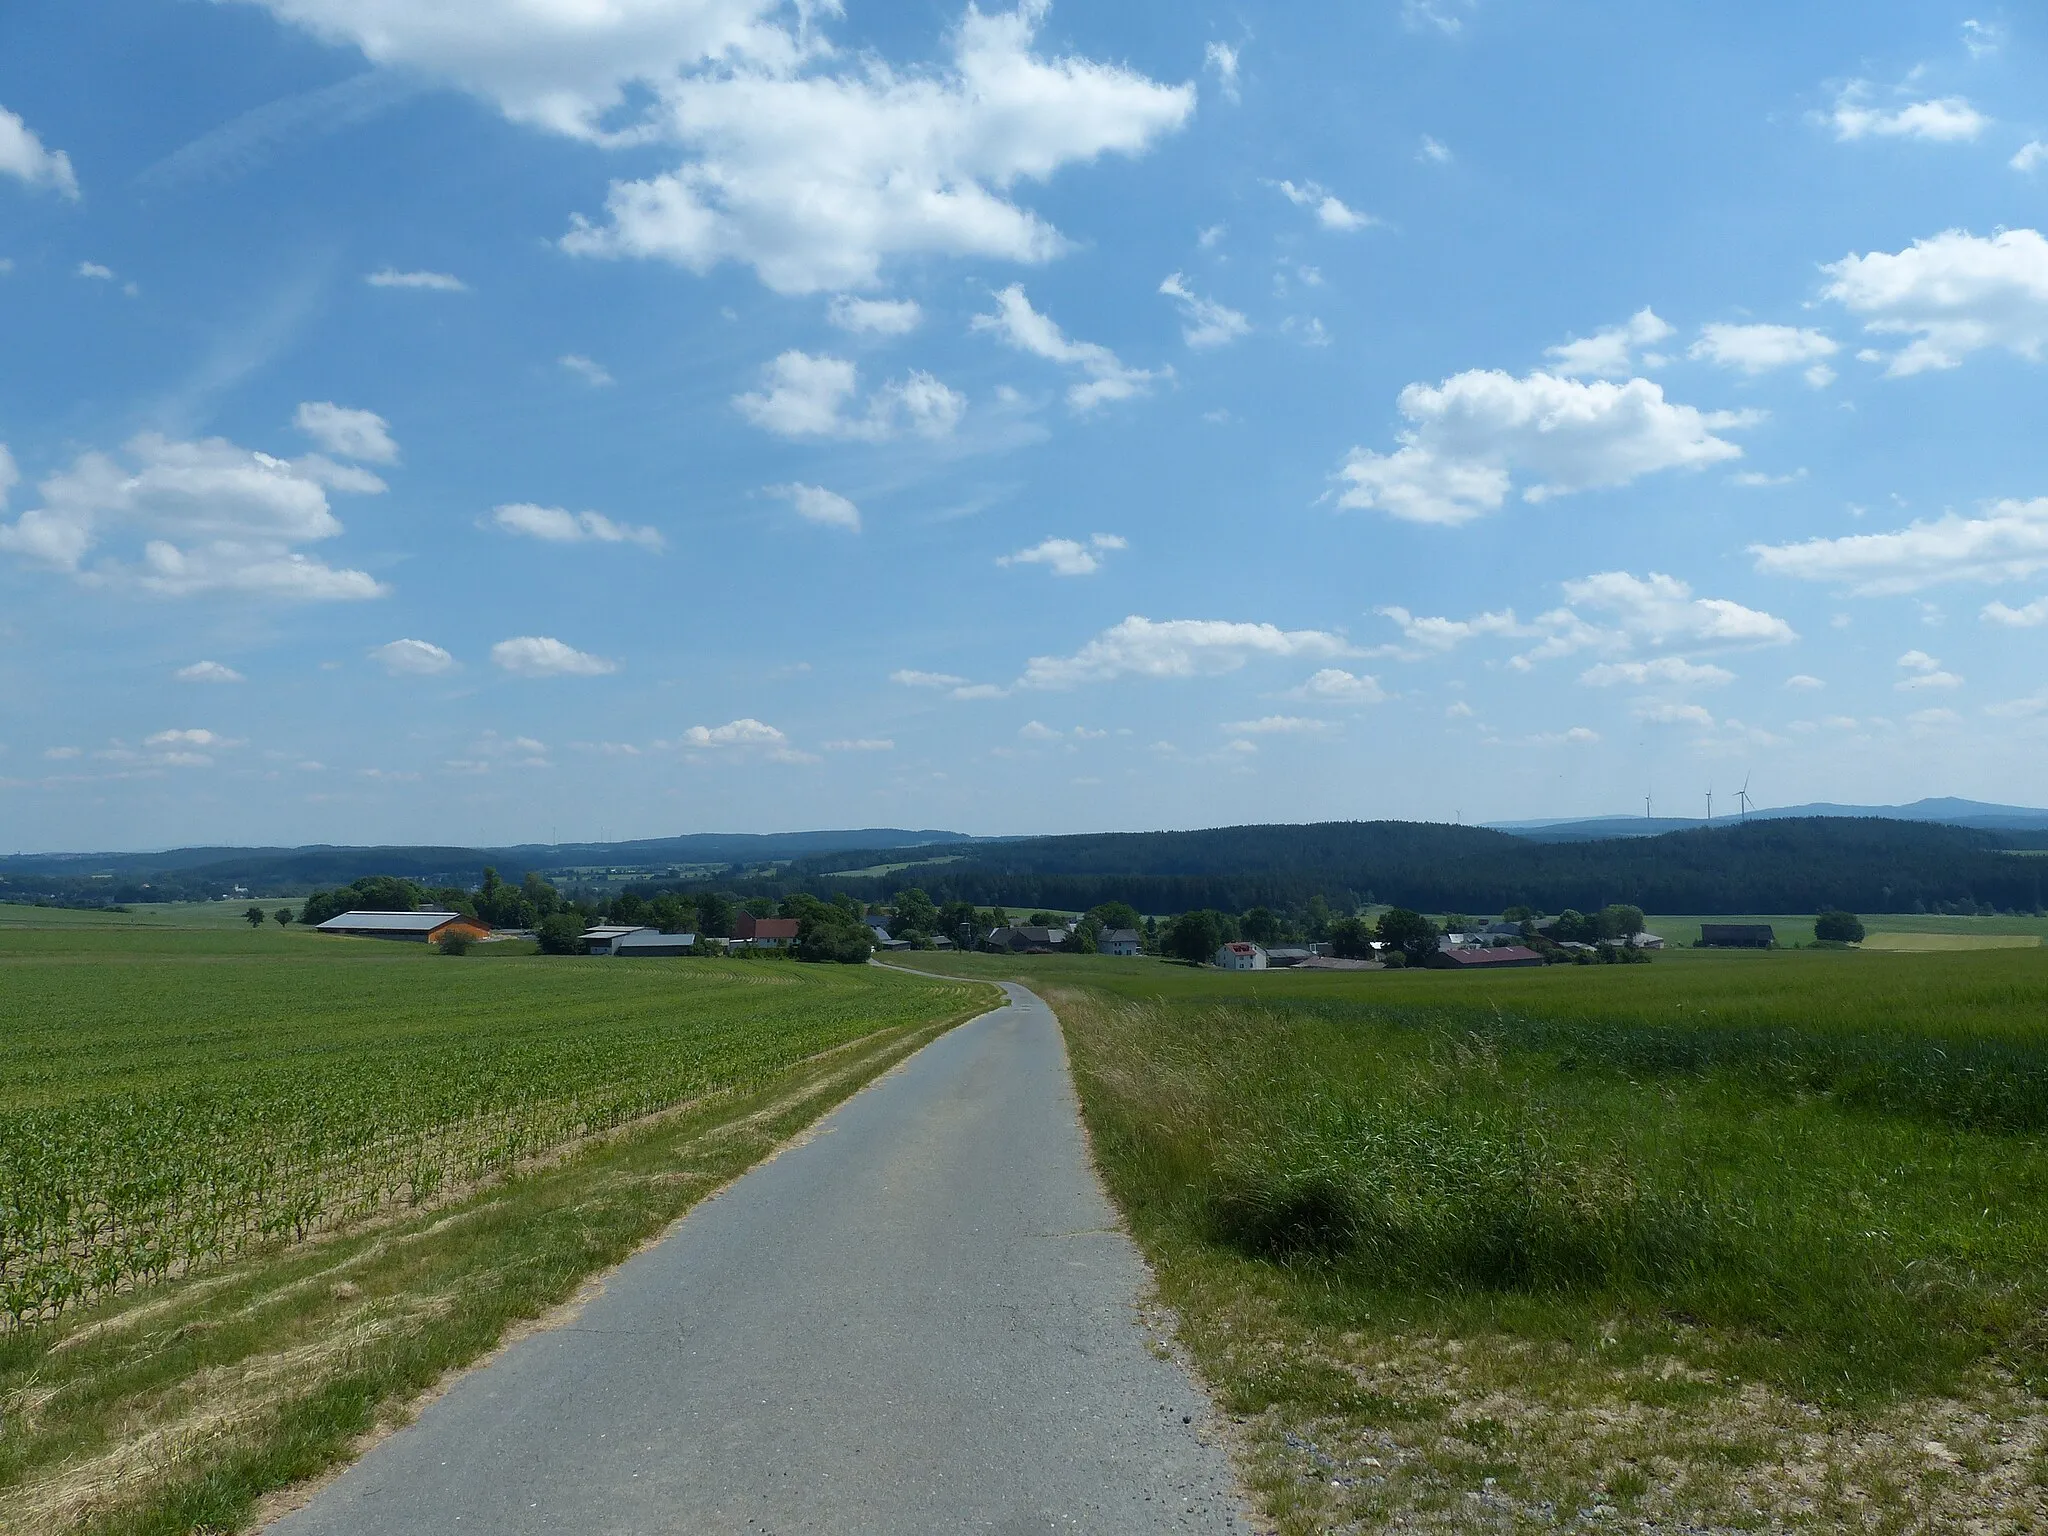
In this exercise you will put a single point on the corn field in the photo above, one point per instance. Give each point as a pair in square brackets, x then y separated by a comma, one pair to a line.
[160, 1133]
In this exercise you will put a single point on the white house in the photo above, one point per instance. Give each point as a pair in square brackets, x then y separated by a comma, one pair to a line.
[1118, 941]
[1241, 957]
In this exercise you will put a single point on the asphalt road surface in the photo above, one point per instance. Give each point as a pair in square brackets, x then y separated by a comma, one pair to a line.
[922, 1319]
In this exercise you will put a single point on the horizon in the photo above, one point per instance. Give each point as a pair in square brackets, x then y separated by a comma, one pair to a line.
[1428, 410]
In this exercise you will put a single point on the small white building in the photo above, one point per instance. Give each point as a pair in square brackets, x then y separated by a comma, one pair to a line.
[1118, 941]
[1241, 957]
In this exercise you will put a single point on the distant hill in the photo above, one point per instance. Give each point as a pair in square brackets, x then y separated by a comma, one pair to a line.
[1948, 811]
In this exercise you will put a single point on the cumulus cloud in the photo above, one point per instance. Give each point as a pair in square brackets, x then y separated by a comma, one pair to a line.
[1067, 557]
[1024, 328]
[595, 374]
[1204, 322]
[815, 504]
[413, 658]
[1445, 16]
[96, 271]
[1141, 647]
[910, 678]
[1954, 294]
[1333, 685]
[554, 525]
[2007, 543]
[1661, 610]
[1279, 725]
[861, 744]
[1758, 349]
[432, 282]
[1330, 210]
[809, 396]
[1610, 354]
[545, 656]
[1923, 673]
[748, 732]
[1674, 671]
[1940, 120]
[1434, 152]
[1471, 437]
[1804, 682]
[876, 317]
[346, 433]
[1663, 712]
[208, 672]
[23, 157]
[211, 517]
[816, 179]
[2030, 156]
[2032, 616]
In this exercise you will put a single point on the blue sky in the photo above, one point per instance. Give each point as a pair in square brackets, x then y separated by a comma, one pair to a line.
[485, 421]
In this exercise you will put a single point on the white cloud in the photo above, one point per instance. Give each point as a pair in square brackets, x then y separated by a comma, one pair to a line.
[98, 272]
[1662, 611]
[1433, 152]
[1024, 328]
[212, 517]
[2009, 542]
[1333, 685]
[2031, 156]
[554, 525]
[1204, 322]
[1942, 120]
[876, 317]
[349, 434]
[1955, 294]
[808, 396]
[191, 738]
[544, 656]
[23, 157]
[910, 678]
[815, 504]
[1279, 725]
[1924, 672]
[1220, 59]
[1755, 479]
[862, 744]
[434, 282]
[413, 658]
[747, 732]
[1038, 730]
[1666, 713]
[2032, 616]
[1610, 353]
[1471, 436]
[1761, 348]
[1672, 670]
[593, 373]
[817, 179]
[1440, 634]
[1141, 647]
[1067, 557]
[1444, 16]
[1804, 682]
[1578, 735]
[208, 672]
[1330, 210]
[1982, 38]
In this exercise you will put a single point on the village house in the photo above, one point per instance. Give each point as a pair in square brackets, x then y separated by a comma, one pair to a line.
[1499, 957]
[764, 932]
[1119, 941]
[1241, 956]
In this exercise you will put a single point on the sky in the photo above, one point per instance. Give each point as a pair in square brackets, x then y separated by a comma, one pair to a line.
[489, 421]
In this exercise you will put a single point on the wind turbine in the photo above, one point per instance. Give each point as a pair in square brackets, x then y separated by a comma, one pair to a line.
[1742, 797]
[1710, 805]
[1646, 811]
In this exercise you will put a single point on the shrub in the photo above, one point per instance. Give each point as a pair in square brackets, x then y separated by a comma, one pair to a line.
[1838, 928]
[455, 943]
[561, 934]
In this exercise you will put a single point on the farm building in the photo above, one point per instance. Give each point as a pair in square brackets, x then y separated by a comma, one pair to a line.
[1497, 957]
[765, 932]
[1290, 956]
[1241, 956]
[599, 940]
[646, 943]
[418, 927]
[1118, 941]
[1737, 936]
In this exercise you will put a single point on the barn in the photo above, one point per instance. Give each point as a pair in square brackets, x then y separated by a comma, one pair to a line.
[1737, 936]
[416, 927]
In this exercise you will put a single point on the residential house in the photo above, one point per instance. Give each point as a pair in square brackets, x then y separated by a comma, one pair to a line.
[1241, 956]
[1027, 940]
[416, 927]
[764, 932]
[1119, 941]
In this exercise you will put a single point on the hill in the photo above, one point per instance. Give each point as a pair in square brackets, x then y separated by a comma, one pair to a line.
[1947, 810]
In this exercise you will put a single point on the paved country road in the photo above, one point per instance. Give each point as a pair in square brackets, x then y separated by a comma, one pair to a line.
[921, 1319]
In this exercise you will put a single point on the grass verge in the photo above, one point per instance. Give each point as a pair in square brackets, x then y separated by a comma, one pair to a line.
[180, 1408]
[1725, 1244]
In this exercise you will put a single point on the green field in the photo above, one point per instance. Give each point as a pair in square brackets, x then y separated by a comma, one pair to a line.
[260, 1189]
[1729, 1241]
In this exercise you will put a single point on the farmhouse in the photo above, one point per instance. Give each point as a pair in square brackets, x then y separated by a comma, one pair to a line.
[418, 927]
[1737, 936]
[1499, 957]
[1241, 956]
[1118, 941]
[765, 932]
[1027, 940]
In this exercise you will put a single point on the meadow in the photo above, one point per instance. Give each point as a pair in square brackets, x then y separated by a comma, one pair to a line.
[1727, 1241]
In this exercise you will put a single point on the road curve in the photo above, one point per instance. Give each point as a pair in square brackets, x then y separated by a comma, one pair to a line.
[921, 1319]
